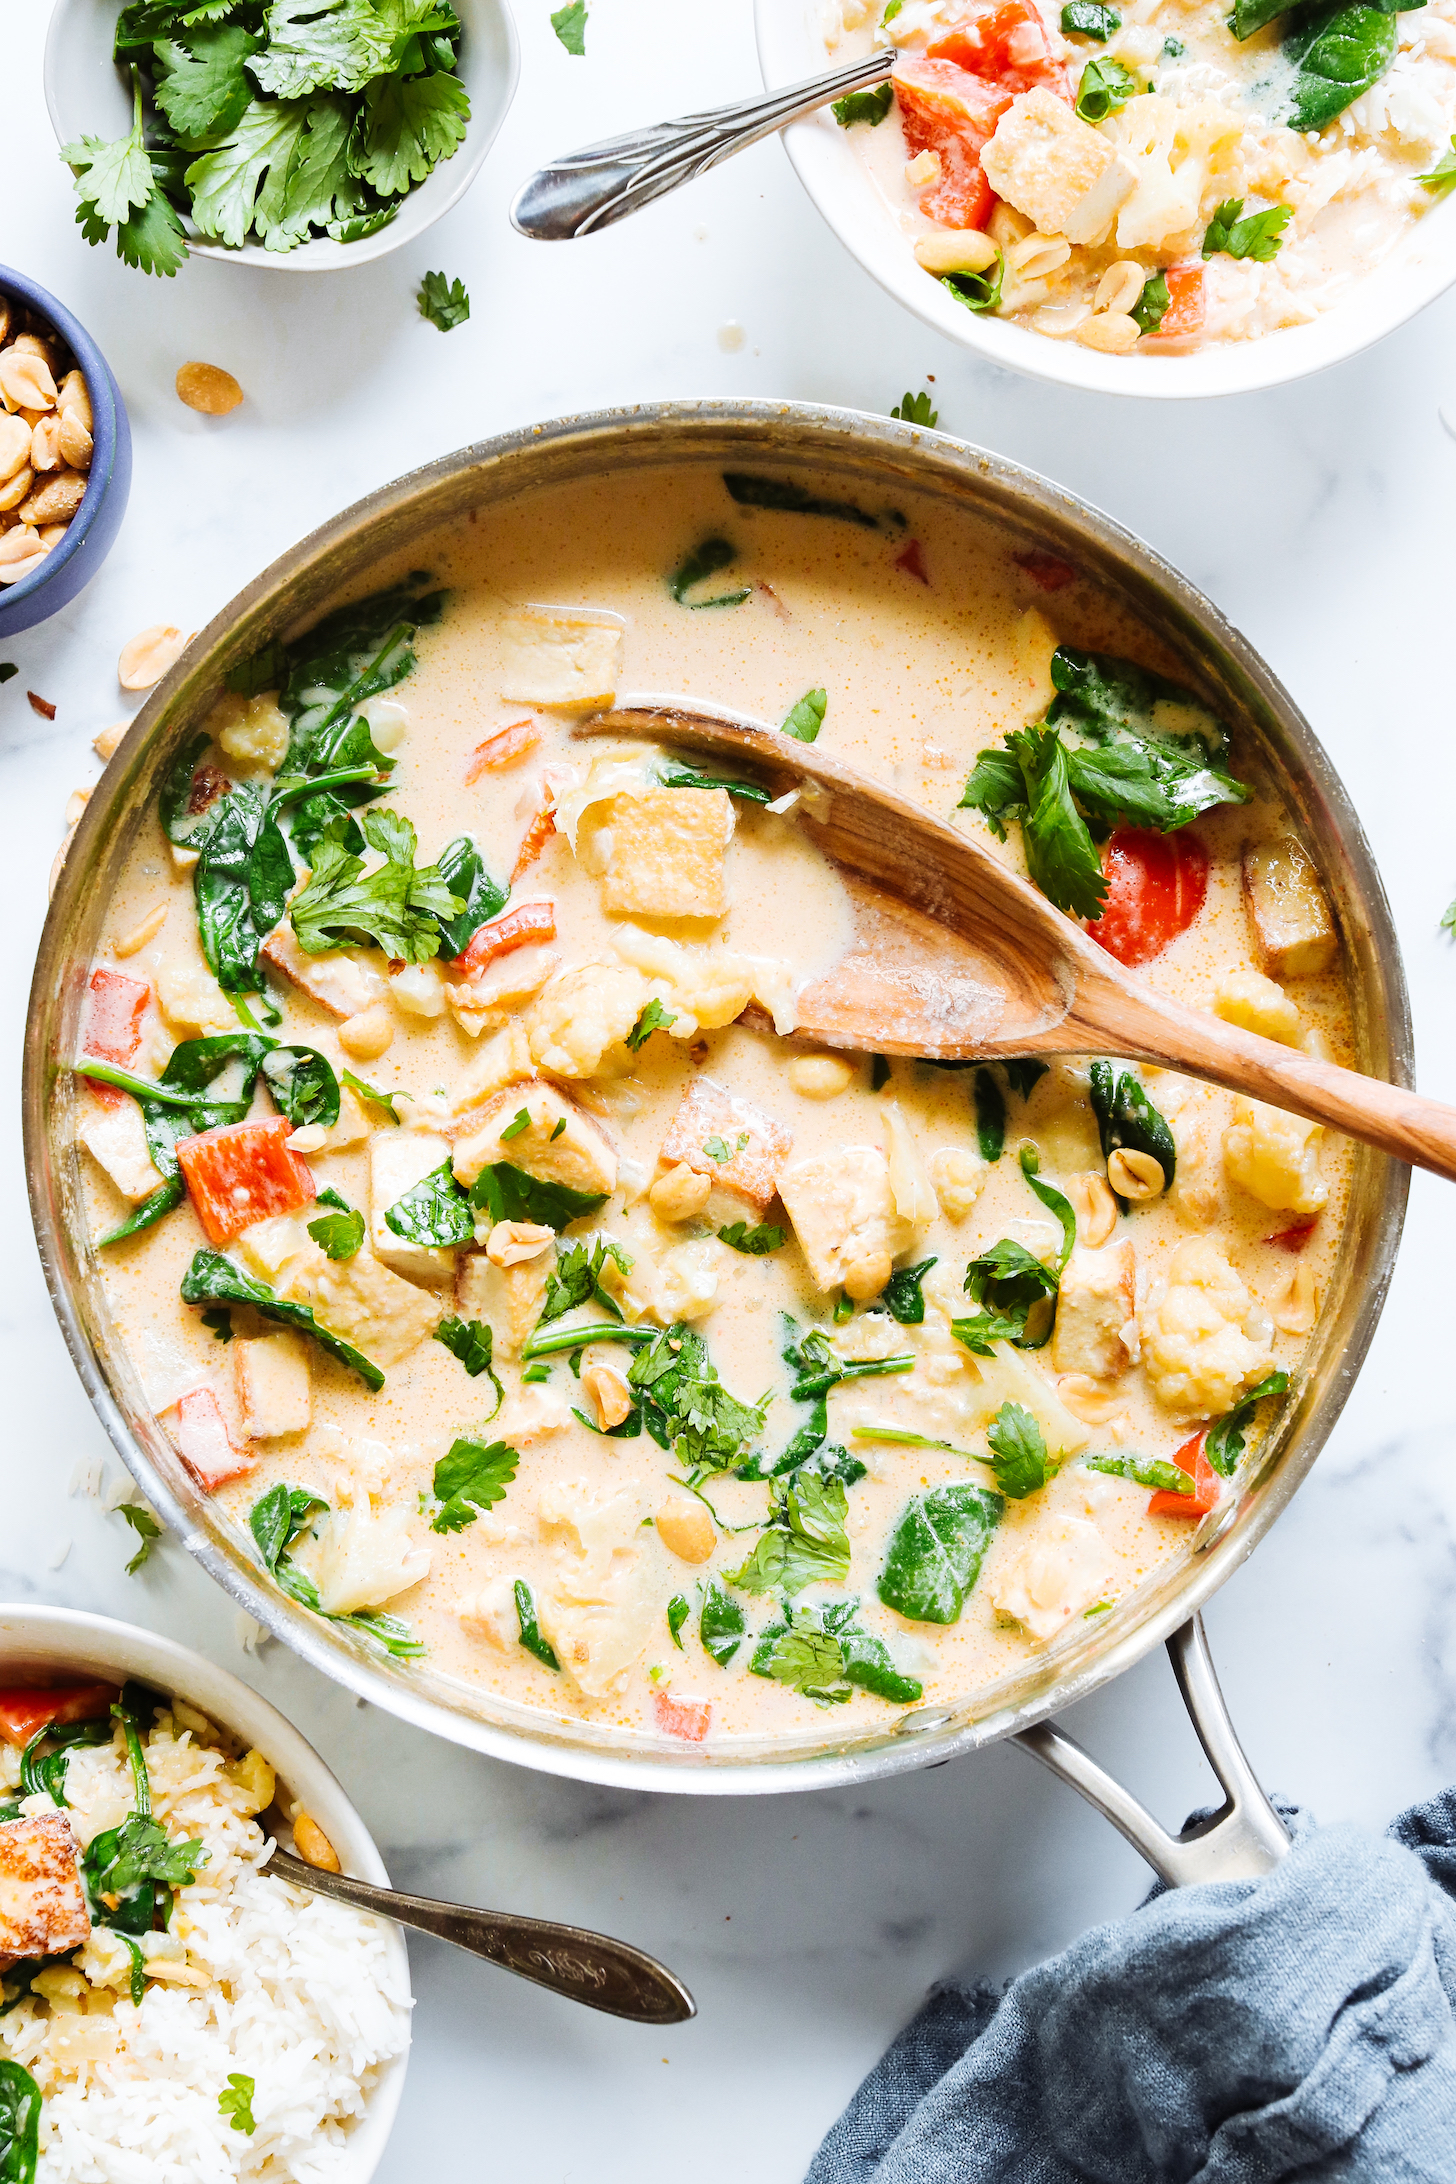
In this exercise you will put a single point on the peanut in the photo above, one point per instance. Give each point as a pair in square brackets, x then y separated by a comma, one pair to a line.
[18, 485]
[139, 935]
[57, 500]
[1113, 332]
[14, 446]
[105, 742]
[74, 440]
[45, 443]
[1087, 1399]
[146, 659]
[1135, 1175]
[686, 1529]
[312, 1845]
[955, 250]
[1120, 287]
[51, 534]
[866, 1277]
[1094, 1206]
[76, 803]
[366, 1035]
[680, 1194]
[21, 552]
[208, 388]
[511, 1243]
[1297, 1306]
[609, 1392]
[25, 380]
[820, 1076]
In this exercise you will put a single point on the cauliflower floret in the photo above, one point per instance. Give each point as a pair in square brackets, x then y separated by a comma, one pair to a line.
[1170, 149]
[251, 729]
[959, 1176]
[1275, 1157]
[1255, 1003]
[578, 1026]
[1198, 1357]
[359, 1559]
[709, 986]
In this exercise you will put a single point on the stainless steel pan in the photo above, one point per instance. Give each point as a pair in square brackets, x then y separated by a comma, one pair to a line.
[870, 455]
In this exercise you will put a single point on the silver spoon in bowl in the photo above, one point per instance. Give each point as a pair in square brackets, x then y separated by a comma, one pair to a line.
[584, 1967]
[604, 182]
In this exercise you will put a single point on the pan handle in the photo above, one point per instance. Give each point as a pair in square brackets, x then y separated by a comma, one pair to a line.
[1243, 1839]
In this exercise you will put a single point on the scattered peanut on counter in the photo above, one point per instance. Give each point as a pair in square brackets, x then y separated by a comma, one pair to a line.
[208, 388]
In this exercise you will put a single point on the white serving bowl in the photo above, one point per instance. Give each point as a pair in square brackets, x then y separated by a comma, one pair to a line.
[791, 47]
[87, 95]
[39, 1642]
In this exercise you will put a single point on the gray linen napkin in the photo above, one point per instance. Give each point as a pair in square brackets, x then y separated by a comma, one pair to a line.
[1298, 2026]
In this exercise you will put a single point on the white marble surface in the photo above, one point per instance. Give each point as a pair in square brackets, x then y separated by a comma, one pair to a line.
[1320, 519]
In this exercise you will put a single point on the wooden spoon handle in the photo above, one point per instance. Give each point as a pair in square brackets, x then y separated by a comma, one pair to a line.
[1146, 1027]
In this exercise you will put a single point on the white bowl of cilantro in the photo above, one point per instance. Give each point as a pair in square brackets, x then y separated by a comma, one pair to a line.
[305, 136]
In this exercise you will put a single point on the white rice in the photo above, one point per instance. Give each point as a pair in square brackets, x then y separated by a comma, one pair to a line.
[295, 1992]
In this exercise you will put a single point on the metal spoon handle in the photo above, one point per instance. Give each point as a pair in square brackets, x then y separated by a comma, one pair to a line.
[591, 1968]
[604, 182]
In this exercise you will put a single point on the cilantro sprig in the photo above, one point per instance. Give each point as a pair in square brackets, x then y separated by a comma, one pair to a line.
[443, 302]
[1256, 235]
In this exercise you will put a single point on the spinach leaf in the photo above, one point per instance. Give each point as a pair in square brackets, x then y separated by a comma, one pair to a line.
[679, 1608]
[577, 1279]
[1018, 1453]
[191, 1070]
[758, 1241]
[1127, 1118]
[704, 561]
[471, 1476]
[507, 1193]
[990, 1116]
[1054, 1201]
[807, 717]
[977, 291]
[1012, 1289]
[241, 883]
[750, 490]
[1251, 15]
[276, 1520]
[871, 106]
[936, 1552]
[1336, 53]
[1024, 1076]
[303, 1085]
[1106, 86]
[435, 1211]
[904, 1299]
[462, 869]
[867, 1660]
[212, 1279]
[44, 1774]
[352, 655]
[1090, 19]
[1104, 695]
[399, 907]
[1152, 305]
[686, 1407]
[174, 799]
[530, 1629]
[1148, 1471]
[1256, 236]
[1226, 1436]
[676, 773]
[1149, 783]
[654, 1017]
[805, 1541]
[20, 2119]
[806, 1658]
[720, 1623]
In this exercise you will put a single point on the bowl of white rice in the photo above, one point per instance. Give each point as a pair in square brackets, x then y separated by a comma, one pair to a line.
[270, 2038]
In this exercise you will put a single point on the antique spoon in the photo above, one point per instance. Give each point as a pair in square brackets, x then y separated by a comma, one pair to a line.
[584, 1967]
[955, 957]
[604, 182]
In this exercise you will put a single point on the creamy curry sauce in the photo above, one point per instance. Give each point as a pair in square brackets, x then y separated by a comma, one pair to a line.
[922, 672]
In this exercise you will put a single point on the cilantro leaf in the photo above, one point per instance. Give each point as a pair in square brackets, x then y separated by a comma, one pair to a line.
[320, 45]
[915, 409]
[1257, 235]
[871, 106]
[365, 1091]
[1018, 1452]
[243, 181]
[338, 1235]
[397, 907]
[113, 178]
[236, 2102]
[718, 1149]
[685, 1406]
[805, 1542]
[807, 717]
[205, 88]
[147, 1529]
[1105, 87]
[757, 1242]
[655, 1017]
[808, 1661]
[996, 788]
[1442, 176]
[473, 1475]
[577, 1278]
[471, 1341]
[408, 125]
[569, 24]
[443, 302]
[1008, 1283]
[1060, 853]
[679, 1608]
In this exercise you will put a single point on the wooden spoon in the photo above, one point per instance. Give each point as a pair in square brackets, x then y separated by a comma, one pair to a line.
[956, 957]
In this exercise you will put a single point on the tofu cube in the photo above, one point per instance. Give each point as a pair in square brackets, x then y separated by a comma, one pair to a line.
[661, 852]
[1096, 1302]
[1057, 1576]
[566, 657]
[706, 1114]
[558, 1143]
[116, 1139]
[398, 1159]
[1289, 913]
[507, 1298]
[197, 1429]
[272, 1382]
[843, 1210]
[341, 983]
[1056, 169]
[357, 1298]
[42, 1901]
[243, 1172]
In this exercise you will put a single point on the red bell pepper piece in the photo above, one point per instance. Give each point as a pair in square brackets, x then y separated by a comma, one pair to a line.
[243, 1172]
[912, 561]
[24, 1710]
[1184, 314]
[502, 749]
[1155, 889]
[1294, 1239]
[1047, 571]
[533, 841]
[948, 110]
[519, 928]
[1006, 45]
[687, 1718]
[1190, 1458]
[195, 1426]
[114, 1017]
